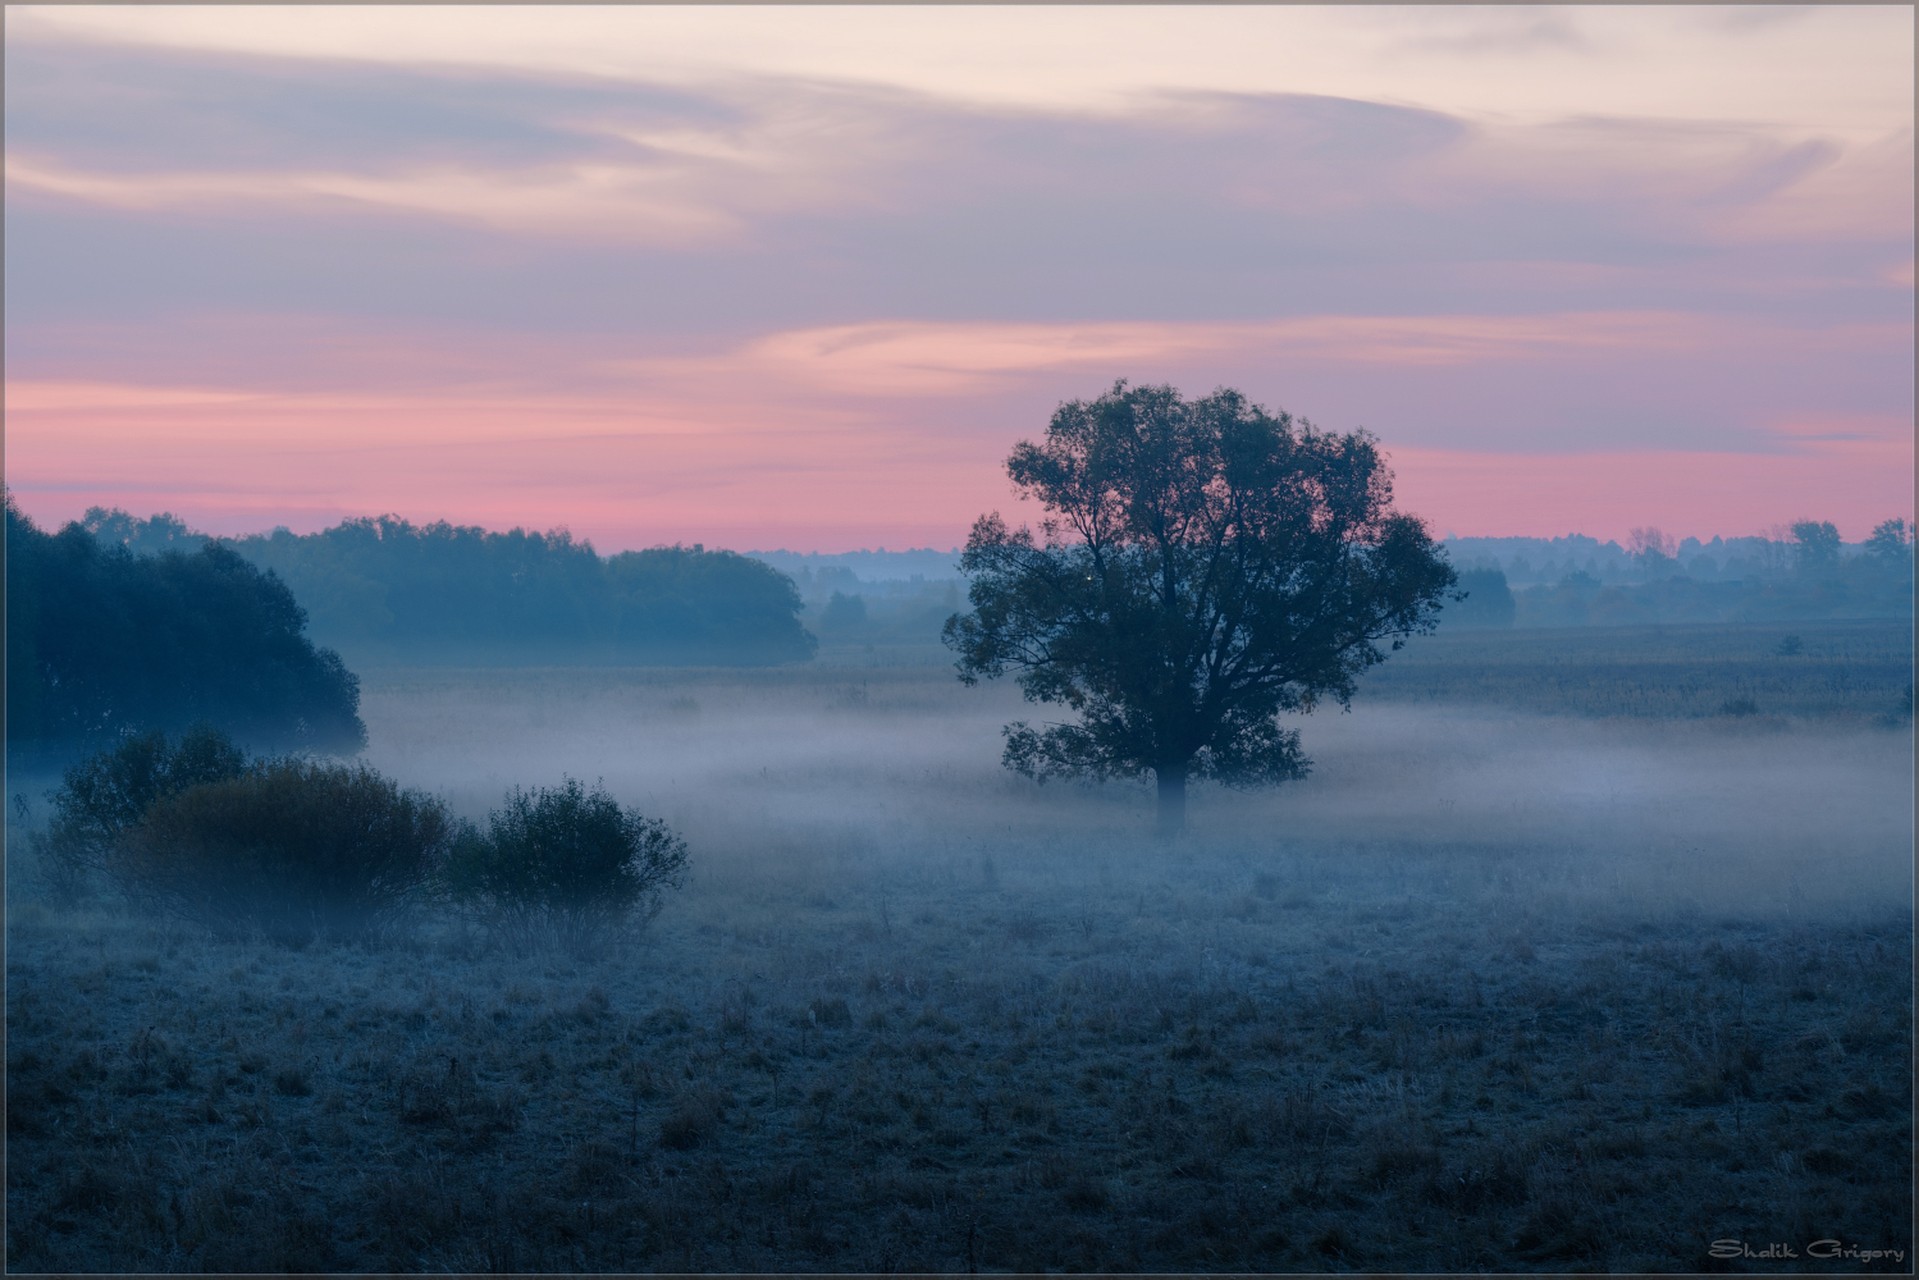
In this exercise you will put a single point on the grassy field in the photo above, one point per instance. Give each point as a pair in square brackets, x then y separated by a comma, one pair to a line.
[1529, 975]
[1859, 670]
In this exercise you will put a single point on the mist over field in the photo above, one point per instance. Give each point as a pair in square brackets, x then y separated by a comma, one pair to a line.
[903, 764]
[634, 924]
[1504, 984]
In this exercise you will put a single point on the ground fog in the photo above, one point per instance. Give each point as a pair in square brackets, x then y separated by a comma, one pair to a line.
[1490, 989]
[902, 765]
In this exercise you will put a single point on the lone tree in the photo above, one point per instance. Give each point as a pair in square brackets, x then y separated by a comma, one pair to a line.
[1204, 566]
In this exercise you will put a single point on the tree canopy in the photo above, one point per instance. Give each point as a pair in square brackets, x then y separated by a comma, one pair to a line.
[1203, 568]
[1816, 546]
[1891, 544]
[101, 643]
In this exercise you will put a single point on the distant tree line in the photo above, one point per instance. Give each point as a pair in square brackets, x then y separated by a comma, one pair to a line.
[383, 588]
[1649, 551]
[101, 643]
[1805, 572]
[877, 565]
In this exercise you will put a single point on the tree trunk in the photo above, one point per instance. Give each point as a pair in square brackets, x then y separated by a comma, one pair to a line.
[1172, 799]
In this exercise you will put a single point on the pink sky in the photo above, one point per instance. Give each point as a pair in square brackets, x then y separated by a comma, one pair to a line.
[669, 275]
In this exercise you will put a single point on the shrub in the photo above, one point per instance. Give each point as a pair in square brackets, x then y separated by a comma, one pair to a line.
[104, 796]
[290, 849]
[566, 865]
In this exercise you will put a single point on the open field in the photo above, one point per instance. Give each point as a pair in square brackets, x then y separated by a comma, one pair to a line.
[1857, 670]
[1512, 982]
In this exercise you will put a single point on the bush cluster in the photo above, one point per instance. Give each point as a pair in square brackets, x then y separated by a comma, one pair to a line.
[565, 865]
[294, 849]
[289, 849]
[104, 797]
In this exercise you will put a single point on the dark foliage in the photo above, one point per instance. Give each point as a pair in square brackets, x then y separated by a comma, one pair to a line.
[565, 865]
[390, 589]
[152, 536]
[843, 612]
[1816, 547]
[1486, 601]
[290, 849]
[104, 796]
[1203, 568]
[711, 607]
[101, 642]
[1890, 545]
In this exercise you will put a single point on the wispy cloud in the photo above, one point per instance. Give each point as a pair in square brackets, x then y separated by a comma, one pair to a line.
[1835, 66]
[786, 204]
[610, 201]
[910, 358]
[86, 397]
[1498, 33]
[819, 261]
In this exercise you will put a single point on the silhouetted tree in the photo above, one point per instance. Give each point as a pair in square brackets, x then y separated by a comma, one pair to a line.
[1890, 543]
[1652, 551]
[1204, 567]
[102, 643]
[1815, 546]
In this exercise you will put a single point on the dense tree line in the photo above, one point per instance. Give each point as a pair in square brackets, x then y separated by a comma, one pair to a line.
[385, 588]
[440, 591]
[101, 643]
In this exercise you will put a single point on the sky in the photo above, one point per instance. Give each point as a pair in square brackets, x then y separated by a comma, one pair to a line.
[802, 277]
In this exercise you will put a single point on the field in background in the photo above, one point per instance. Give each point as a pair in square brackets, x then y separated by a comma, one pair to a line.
[1845, 670]
[1550, 964]
[1830, 670]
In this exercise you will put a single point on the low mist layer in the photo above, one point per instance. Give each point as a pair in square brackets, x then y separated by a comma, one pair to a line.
[1718, 814]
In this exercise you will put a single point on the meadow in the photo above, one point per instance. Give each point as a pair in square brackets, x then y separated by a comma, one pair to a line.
[1578, 950]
